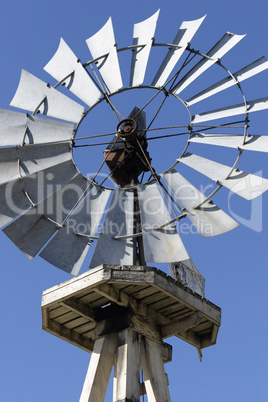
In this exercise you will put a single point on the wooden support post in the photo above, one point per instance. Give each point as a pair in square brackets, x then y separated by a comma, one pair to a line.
[127, 370]
[155, 378]
[99, 369]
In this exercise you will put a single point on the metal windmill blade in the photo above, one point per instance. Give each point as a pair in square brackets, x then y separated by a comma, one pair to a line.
[141, 221]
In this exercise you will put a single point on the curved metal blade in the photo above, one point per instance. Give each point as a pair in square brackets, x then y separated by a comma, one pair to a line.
[249, 71]
[209, 220]
[33, 92]
[253, 142]
[68, 248]
[19, 128]
[184, 36]
[164, 245]
[227, 42]
[41, 130]
[12, 127]
[31, 231]
[102, 45]
[118, 222]
[252, 106]
[143, 34]
[19, 195]
[63, 63]
[21, 161]
[243, 184]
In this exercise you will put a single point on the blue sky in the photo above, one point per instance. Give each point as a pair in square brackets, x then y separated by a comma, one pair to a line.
[37, 367]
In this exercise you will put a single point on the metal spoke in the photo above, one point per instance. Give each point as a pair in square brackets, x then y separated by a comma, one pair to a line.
[155, 176]
[173, 78]
[114, 109]
[91, 181]
[158, 110]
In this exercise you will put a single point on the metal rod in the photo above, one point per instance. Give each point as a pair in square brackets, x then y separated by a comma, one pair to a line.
[177, 218]
[95, 60]
[90, 183]
[114, 109]
[127, 237]
[209, 197]
[155, 176]
[36, 110]
[64, 79]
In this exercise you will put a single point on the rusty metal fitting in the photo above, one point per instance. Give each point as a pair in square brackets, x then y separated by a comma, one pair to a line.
[127, 129]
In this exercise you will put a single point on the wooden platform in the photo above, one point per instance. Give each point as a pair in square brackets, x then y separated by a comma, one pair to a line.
[110, 298]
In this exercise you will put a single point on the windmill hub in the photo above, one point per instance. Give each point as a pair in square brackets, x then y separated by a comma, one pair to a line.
[127, 157]
[127, 129]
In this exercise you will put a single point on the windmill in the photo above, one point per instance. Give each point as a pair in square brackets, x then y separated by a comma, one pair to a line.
[85, 310]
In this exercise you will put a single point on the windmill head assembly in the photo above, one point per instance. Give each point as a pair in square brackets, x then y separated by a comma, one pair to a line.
[150, 132]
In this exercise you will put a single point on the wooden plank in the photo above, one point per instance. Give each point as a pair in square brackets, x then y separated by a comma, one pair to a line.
[137, 290]
[79, 308]
[206, 341]
[190, 300]
[69, 335]
[89, 334]
[57, 312]
[147, 291]
[74, 286]
[99, 370]
[154, 373]
[214, 334]
[128, 367]
[166, 352]
[84, 328]
[44, 317]
[152, 298]
[184, 324]
[164, 303]
[123, 299]
[203, 326]
[180, 313]
[75, 323]
[190, 337]
[149, 330]
[66, 317]
[98, 301]
[172, 309]
[109, 291]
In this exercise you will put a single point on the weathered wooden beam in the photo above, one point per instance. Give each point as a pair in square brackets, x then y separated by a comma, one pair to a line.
[79, 308]
[214, 333]
[190, 337]
[74, 286]
[120, 297]
[111, 324]
[99, 369]
[127, 376]
[110, 292]
[126, 319]
[188, 299]
[207, 341]
[183, 324]
[155, 379]
[69, 335]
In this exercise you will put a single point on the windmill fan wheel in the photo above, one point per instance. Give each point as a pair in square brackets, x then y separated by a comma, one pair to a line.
[48, 207]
